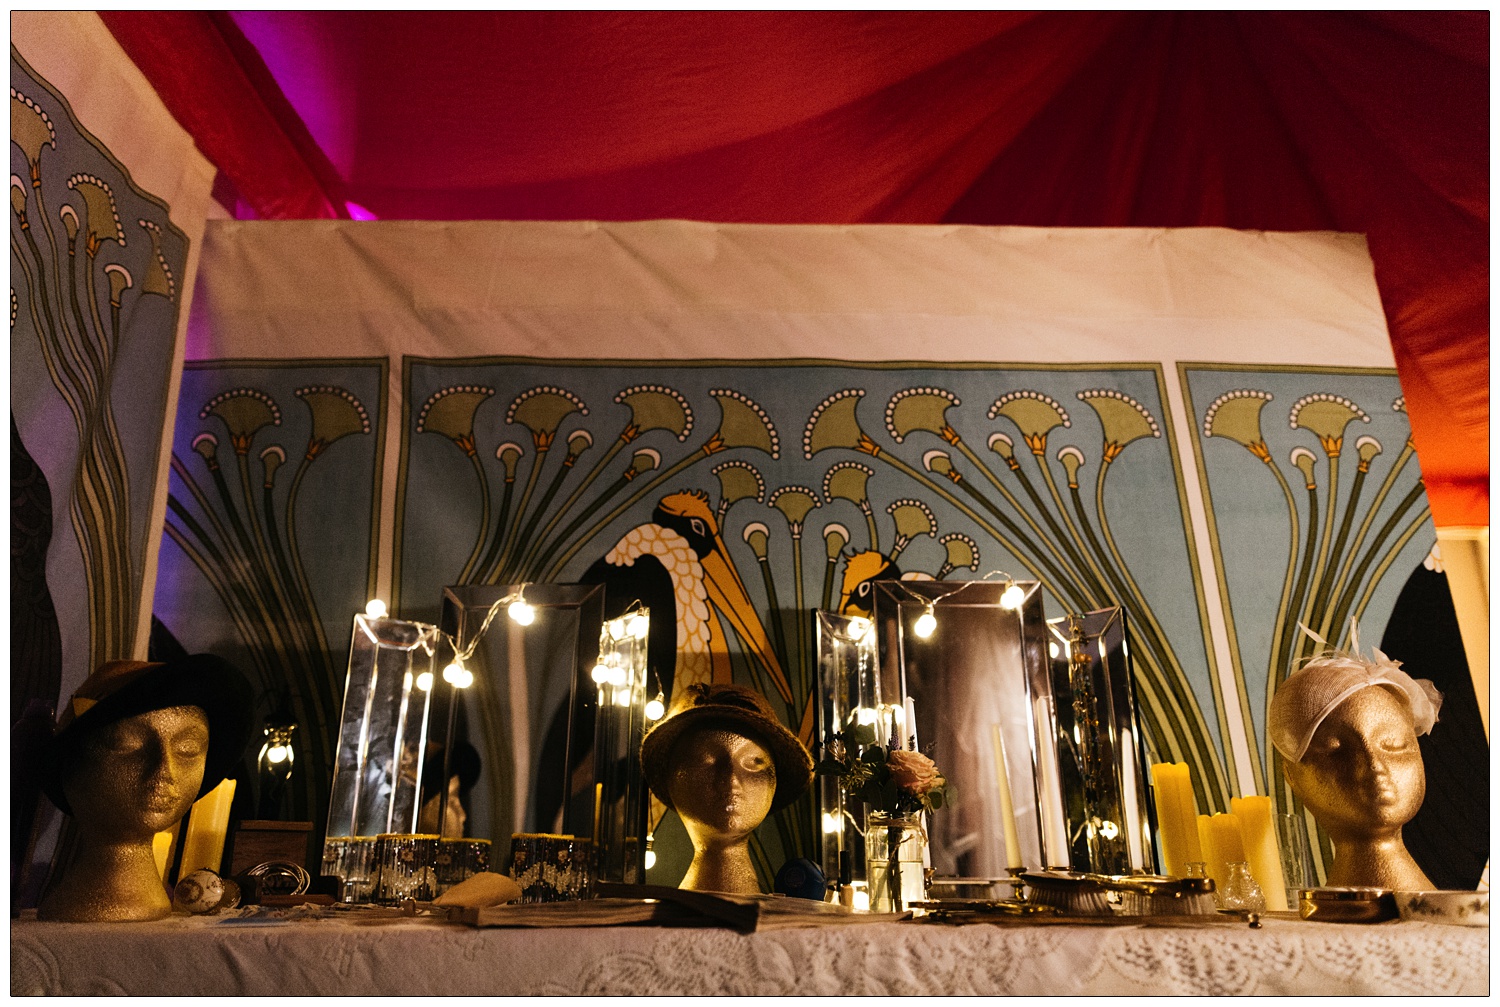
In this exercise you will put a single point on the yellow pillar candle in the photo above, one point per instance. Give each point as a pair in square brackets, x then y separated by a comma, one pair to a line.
[208, 824]
[1258, 826]
[1188, 809]
[1168, 821]
[161, 846]
[1176, 817]
[1226, 846]
[1228, 839]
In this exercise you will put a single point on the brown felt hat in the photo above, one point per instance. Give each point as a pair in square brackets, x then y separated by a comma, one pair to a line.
[121, 689]
[739, 709]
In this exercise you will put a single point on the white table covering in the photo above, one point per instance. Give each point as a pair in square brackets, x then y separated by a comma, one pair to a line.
[197, 956]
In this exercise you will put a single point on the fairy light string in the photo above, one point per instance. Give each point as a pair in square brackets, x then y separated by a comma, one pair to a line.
[1011, 599]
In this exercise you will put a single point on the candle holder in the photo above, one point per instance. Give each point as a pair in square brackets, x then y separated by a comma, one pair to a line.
[1017, 886]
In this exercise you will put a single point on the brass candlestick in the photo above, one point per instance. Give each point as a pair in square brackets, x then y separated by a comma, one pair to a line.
[1017, 886]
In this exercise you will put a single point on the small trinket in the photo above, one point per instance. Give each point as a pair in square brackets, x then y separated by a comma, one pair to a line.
[1347, 905]
[205, 892]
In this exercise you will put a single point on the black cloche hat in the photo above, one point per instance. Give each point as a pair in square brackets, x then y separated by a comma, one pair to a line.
[121, 689]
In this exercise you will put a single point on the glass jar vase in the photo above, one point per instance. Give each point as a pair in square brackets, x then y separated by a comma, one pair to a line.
[894, 846]
[1241, 891]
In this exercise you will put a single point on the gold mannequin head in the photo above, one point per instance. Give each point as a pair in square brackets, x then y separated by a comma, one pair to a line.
[1347, 730]
[724, 762]
[722, 783]
[138, 776]
[136, 746]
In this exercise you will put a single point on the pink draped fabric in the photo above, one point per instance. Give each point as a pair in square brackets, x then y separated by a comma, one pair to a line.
[1367, 122]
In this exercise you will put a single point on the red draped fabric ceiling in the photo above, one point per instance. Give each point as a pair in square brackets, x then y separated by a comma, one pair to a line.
[1369, 122]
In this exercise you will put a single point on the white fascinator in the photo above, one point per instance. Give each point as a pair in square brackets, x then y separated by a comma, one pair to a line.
[1316, 689]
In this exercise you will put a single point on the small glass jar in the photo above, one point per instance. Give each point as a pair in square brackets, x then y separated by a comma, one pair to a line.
[894, 845]
[352, 858]
[1240, 891]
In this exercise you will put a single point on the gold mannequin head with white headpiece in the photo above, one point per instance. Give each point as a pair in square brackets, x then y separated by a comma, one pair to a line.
[1346, 727]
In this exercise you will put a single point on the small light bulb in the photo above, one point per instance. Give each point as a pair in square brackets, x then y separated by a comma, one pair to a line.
[861, 901]
[1109, 830]
[639, 626]
[655, 710]
[926, 623]
[276, 753]
[617, 629]
[1052, 649]
[859, 628]
[1012, 597]
[601, 673]
[865, 715]
[650, 859]
[465, 679]
[522, 613]
[424, 681]
[618, 676]
[622, 697]
[375, 608]
[831, 823]
[453, 673]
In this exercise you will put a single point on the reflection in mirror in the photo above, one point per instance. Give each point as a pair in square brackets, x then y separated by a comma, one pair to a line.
[529, 710]
[1102, 753]
[848, 694]
[387, 703]
[379, 766]
[978, 679]
[619, 678]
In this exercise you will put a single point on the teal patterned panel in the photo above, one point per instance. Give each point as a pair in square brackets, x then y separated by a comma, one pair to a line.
[528, 470]
[272, 516]
[1317, 511]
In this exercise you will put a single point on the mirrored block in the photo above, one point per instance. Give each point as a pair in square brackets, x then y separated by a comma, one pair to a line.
[850, 701]
[558, 750]
[1102, 761]
[387, 713]
[972, 658]
[620, 801]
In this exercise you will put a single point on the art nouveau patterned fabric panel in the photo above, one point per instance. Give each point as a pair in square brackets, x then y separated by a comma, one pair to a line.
[98, 272]
[269, 541]
[1199, 425]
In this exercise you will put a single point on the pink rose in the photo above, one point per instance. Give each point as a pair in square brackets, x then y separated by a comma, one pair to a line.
[913, 772]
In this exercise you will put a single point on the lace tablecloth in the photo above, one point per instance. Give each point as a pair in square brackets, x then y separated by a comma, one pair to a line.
[199, 956]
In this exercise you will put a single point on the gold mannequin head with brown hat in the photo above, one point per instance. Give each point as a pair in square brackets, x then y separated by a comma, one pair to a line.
[1347, 728]
[134, 747]
[723, 761]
